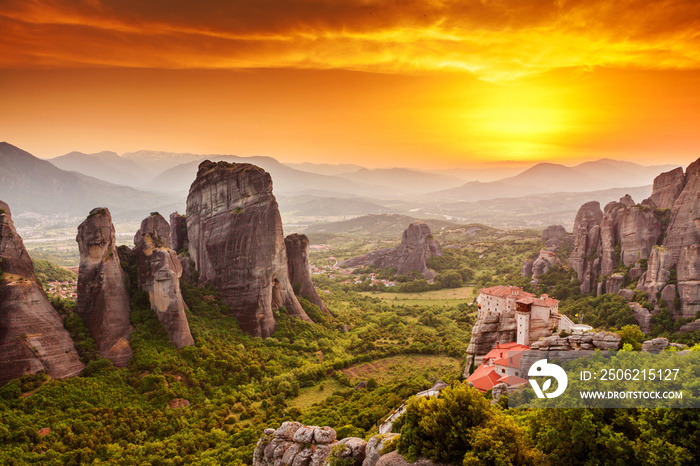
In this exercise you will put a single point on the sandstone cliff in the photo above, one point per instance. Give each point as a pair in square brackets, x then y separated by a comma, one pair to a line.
[32, 336]
[103, 302]
[236, 242]
[159, 273]
[662, 233]
[178, 232]
[417, 246]
[297, 247]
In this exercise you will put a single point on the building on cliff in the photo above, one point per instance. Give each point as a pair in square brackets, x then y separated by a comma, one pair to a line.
[530, 312]
[510, 314]
[501, 365]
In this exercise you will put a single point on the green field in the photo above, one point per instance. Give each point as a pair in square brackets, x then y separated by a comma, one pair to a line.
[446, 297]
[402, 367]
[387, 370]
[317, 393]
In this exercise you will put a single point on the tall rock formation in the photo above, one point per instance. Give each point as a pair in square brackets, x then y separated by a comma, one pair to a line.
[417, 246]
[103, 302]
[667, 187]
[178, 232]
[625, 234]
[297, 247]
[553, 235]
[236, 242]
[159, 273]
[584, 258]
[662, 232]
[32, 336]
[681, 241]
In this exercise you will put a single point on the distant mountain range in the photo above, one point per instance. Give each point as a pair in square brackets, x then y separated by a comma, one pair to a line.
[29, 184]
[134, 184]
[555, 178]
[286, 180]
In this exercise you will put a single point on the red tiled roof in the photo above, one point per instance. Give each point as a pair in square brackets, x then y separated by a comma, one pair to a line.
[512, 359]
[546, 302]
[484, 378]
[502, 291]
[511, 380]
[504, 350]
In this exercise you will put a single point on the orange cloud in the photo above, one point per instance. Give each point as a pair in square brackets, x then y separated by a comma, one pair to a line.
[495, 40]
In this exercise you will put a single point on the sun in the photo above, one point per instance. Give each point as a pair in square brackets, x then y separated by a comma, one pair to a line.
[521, 122]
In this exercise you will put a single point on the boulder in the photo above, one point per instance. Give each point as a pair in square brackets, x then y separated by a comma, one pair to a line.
[236, 242]
[32, 336]
[627, 294]
[287, 430]
[324, 435]
[103, 302]
[526, 270]
[497, 391]
[297, 247]
[350, 450]
[159, 272]
[417, 246]
[607, 341]
[376, 446]
[305, 434]
[655, 345]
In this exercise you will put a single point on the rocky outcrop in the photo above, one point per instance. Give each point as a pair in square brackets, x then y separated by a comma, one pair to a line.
[655, 345]
[159, 272]
[103, 302]
[667, 187]
[376, 446]
[553, 236]
[490, 329]
[681, 241]
[297, 247]
[417, 246]
[694, 326]
[546, 261]
[612, 285]
[178, 232]
[293, 444]
[688, 269]
[32, 336]
[642, 316]
[526, 269]
[584, 259]
[658, 272]
[236, 242]
[579, 341]
[626, 234]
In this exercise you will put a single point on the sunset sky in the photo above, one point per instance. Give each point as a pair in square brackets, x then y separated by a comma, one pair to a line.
[428, 84]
